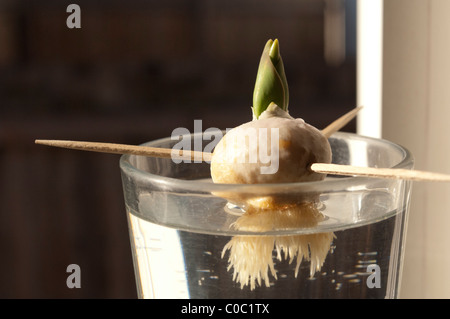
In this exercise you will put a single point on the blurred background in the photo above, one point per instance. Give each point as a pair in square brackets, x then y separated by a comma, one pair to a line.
[133, 72]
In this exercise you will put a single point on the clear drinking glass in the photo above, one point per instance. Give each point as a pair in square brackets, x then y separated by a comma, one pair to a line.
[185, 243]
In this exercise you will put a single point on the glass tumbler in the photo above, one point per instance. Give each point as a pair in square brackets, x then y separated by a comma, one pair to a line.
[344, 237]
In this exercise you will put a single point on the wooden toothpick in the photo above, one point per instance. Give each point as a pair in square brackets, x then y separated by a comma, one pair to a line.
[392, 173]
[336, 169]
[114, 148]
[340, 122]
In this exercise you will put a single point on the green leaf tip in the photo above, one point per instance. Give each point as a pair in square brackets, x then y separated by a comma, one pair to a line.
[271, 84]
[274, 52]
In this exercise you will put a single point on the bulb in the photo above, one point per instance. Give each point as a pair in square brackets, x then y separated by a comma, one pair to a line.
[275, 148]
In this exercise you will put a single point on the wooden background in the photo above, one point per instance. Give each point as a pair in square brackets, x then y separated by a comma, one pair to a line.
[133, 72]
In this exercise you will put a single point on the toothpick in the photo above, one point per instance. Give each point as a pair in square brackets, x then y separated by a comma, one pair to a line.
[336, 169]
[340, 122]
[391, 173]
[113, 148]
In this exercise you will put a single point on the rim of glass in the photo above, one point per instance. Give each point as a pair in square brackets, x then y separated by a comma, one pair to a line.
[209, 187]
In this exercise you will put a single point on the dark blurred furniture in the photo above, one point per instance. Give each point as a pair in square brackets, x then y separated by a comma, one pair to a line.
[134, 72]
